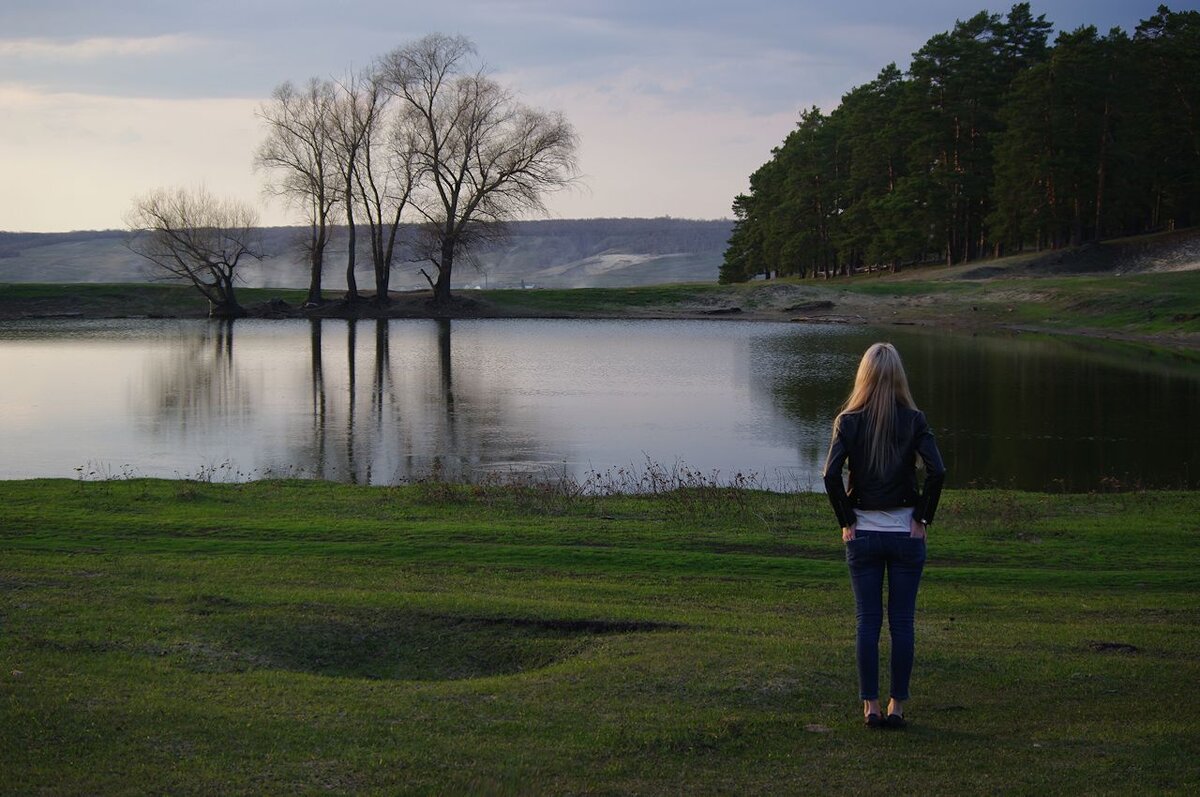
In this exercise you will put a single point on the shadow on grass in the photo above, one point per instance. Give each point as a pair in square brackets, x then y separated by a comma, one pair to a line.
[379, 644]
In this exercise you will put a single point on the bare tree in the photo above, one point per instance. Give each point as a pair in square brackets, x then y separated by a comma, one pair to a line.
[386, 176]
[484, 157]
[374, 147]
[195, 236]
[299, 151]
[355, 113]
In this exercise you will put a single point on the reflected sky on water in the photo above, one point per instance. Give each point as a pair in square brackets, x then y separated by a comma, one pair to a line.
[382, 402]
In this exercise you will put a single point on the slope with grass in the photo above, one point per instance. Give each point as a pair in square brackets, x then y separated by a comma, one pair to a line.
[561, 253]
[268, 637]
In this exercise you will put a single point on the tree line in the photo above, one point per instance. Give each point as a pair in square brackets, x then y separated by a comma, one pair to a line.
[993, 141]
[422, 140]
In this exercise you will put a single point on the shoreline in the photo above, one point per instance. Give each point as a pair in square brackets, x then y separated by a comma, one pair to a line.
[1154, 309]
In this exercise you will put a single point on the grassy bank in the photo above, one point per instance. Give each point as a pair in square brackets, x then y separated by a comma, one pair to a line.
[293, 637]
[1164, 304]
[126, 300]
[1160, 308]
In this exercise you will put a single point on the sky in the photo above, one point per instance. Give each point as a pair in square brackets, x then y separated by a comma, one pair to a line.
[675, 102]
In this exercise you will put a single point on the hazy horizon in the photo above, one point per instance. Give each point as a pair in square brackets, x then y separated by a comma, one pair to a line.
[342, 225]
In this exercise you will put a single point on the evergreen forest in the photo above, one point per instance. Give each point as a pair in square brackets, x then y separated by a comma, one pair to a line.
[995, 140]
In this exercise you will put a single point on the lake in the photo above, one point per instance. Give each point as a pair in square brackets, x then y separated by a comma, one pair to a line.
[385, 402]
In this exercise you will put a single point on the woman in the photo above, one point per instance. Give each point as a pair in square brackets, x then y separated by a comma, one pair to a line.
[884, 517]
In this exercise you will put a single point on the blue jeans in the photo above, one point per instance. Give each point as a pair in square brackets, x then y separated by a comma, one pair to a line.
[869, 554]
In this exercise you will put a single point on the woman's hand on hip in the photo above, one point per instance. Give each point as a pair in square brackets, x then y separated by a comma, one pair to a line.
[917, 529]
[847, 533]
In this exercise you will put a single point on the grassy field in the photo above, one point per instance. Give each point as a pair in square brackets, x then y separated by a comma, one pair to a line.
[292, 637]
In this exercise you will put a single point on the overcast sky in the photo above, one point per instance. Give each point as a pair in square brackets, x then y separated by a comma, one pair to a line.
[675, 102]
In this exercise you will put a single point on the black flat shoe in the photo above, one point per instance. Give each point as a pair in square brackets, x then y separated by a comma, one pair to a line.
[873, 721]
[895, 721]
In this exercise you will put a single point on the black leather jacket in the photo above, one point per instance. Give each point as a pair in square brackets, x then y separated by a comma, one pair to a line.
[896, 488]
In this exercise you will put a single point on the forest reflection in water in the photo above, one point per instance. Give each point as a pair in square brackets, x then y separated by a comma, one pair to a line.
[380, 402]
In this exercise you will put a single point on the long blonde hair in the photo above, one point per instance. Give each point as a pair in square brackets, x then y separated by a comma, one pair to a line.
[878, 386]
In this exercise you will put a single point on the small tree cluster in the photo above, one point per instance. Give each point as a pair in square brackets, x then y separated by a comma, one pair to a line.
[420, 134]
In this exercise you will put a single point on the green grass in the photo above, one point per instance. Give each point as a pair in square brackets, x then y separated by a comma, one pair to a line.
[1151, 303]
[275, 637]
[882, 285]
[91, 299]
[1139, 304]
[125, 299]
[598, 300]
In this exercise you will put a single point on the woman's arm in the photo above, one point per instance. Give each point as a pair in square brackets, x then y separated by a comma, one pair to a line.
[834, 488]
[935, 472]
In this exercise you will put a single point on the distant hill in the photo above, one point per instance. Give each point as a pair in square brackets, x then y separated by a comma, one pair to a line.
[549, 254]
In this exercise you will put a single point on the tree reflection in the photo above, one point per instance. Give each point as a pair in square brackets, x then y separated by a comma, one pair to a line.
[446, 376]
[317, 376]
[379, 387]
[351, 339]
[197, 383]
[421, 418]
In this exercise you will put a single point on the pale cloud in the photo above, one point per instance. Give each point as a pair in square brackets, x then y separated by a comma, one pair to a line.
[92, 48]
[644, 155]
[84, 157]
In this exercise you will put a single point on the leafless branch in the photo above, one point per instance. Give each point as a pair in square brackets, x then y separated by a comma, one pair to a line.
[194, 236]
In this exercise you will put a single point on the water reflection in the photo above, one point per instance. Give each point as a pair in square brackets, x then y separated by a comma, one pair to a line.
[1017, 411]
[196, 381]
[377, 402]
[373, 421]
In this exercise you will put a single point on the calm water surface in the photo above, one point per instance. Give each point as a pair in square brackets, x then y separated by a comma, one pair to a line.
[381, 402]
